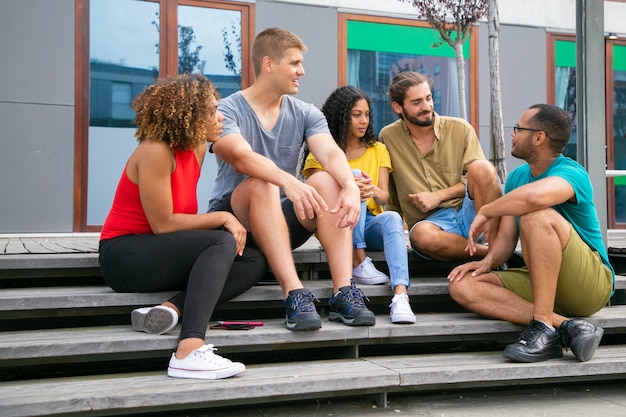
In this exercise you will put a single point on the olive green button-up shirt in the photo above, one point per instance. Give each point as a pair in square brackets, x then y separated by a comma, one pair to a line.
[446, 163]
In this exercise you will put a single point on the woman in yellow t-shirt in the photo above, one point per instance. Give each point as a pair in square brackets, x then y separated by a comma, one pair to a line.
[348, 112]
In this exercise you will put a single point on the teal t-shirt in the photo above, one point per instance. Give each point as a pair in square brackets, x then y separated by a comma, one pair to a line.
[582, 214]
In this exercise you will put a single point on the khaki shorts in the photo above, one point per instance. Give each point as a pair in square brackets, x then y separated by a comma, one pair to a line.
[585, 283]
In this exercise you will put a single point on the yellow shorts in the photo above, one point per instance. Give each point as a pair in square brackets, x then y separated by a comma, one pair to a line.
[585, 283]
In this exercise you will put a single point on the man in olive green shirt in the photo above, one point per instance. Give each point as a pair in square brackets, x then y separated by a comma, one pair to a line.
[440, 175]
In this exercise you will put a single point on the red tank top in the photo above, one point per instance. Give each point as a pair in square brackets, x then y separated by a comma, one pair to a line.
[127, 216]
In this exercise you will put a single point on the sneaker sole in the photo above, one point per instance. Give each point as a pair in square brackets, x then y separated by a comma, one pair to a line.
[155, 321]
[370, 281]
[403, 319]
[237, 368]
[584, 349]
[517, 356]
[303, 325]
[357, 321]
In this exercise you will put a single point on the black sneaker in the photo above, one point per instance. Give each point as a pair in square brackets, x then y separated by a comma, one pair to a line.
[300, 313]
[348, 306]
[581, 337]
[537, 343]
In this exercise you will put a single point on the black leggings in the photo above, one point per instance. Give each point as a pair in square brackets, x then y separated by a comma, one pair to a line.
[201, 263]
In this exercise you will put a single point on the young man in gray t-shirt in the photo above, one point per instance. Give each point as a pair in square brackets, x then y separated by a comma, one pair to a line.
[264, 129]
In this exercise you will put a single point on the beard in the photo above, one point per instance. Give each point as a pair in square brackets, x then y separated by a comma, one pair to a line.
[524, 150]
[418, 122]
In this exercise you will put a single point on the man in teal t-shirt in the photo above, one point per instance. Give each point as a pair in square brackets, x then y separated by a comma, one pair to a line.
[548, 205]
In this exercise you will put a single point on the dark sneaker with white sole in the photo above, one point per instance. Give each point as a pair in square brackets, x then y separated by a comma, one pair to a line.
[537, 343]
[300, 312]
[582, 337]
[348, 307]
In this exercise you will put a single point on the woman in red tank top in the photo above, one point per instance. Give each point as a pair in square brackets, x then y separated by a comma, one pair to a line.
[154, 239]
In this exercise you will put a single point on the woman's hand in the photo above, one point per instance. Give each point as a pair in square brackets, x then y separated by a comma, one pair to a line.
[238, 231]
[366, 187]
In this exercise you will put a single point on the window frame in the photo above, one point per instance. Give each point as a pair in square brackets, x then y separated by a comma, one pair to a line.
[168, 66]
[342, 59]
[552, 38]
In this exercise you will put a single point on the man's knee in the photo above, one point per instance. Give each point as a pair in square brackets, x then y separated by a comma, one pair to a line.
[481, 169]
[324, 183]
[251, 188]
[542, 218]
[462, 291]
[482, 176]
[424, 237]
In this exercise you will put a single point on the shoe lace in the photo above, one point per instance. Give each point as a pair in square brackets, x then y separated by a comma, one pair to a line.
[303, 301]
[355, 296]
[369, 270]
[531, 333]
[569, 330]
[401, 304]
[207, 352]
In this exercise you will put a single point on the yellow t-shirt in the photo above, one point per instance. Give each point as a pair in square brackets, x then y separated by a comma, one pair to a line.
[374, 158]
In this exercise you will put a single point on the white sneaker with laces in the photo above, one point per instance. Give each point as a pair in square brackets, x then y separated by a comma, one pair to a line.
[202, 363]
[154, 320]
[401, 312]
[366, 273]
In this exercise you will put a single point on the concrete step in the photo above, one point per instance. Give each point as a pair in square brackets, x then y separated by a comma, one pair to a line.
[16, 300]
[74, 297]
[128, 394]
[100, 343]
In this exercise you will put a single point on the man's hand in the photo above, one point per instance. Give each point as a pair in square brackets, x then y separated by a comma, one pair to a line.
[480, 224]
[425, 201]
[348, 208]
[307, 203]
[475, 268]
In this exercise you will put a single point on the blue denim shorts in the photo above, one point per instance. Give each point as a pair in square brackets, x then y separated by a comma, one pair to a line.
[452, 220]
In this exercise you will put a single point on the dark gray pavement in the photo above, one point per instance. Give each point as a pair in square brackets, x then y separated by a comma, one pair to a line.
[574, 400]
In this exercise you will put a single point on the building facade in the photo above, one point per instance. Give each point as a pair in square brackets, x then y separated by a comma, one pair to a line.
[71, 68]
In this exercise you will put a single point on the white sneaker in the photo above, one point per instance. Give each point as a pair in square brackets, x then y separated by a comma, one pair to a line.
[154, 320]
[401, 312]
[202, 363]
[366, 273]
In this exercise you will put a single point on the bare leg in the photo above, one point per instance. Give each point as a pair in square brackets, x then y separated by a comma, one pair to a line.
[544, 235]
[433, 242]
[257, 206]
[358, 256]
[484, 187]
[337, 243]
[400, 289]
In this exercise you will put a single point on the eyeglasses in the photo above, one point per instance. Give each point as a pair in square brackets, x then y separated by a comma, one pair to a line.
[517, 128]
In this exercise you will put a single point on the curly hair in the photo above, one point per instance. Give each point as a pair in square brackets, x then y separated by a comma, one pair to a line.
[337, 109]
[177, 110]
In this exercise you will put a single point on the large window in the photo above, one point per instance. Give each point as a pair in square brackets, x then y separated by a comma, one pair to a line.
[565, 85]
[616, 129]
[562, 92]
[376, 49]
[125, 45]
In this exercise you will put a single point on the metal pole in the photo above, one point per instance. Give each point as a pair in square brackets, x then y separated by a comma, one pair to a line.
[590, 100]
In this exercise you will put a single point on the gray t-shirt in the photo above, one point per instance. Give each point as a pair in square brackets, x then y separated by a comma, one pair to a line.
[296, 122]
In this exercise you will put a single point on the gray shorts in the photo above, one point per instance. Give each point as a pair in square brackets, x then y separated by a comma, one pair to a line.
[298, 234]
